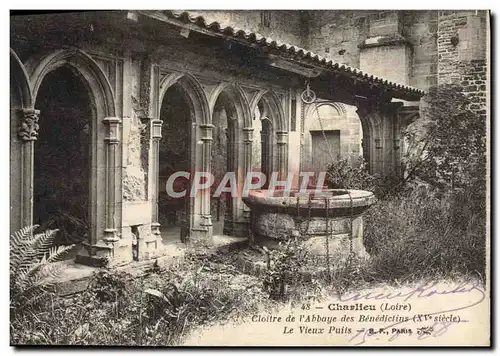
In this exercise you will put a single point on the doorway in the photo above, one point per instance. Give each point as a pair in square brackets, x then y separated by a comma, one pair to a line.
[62, 156]
[174, 156]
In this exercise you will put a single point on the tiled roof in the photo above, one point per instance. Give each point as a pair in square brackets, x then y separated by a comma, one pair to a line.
[289, 50]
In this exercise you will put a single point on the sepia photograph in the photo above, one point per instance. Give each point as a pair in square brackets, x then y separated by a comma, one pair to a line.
[185, 178]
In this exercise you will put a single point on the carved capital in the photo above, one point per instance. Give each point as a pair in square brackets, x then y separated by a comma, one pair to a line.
[248, 134]
[156, 129]
[281, 137]
[206, 132]
[28, 127]
[112, 130]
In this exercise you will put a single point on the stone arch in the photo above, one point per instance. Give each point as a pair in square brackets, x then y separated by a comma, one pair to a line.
[104, 151]
[272, 100]
[98, 83]
[372, 137]
[238, 98]
[276, 152]
[21, 146]
[239, 151]
[199, 219]
[340, 125]
[195, 92]
[339, 108]
[19, 76]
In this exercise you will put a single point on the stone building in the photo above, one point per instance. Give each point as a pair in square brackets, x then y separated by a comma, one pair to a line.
[106, 106]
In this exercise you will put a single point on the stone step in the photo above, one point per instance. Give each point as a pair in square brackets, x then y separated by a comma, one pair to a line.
[225, 244]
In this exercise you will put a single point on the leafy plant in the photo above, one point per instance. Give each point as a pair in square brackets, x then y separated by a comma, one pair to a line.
[283, 267]
[109, 285]
[32, 268]
[343, 175]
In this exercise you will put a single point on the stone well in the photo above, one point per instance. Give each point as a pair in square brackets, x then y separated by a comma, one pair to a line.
[331, 219]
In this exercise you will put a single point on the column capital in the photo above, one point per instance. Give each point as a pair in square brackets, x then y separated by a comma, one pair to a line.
[281, 137]
[206, 132]
[28, 127]
[156, 129]
[248, 134]
[112, 129]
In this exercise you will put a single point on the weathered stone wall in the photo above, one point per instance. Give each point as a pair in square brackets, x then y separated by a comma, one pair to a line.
[462, 48]
[284, 26]
[421, 30]
[134, 171]
[342, 118]
[398, 45]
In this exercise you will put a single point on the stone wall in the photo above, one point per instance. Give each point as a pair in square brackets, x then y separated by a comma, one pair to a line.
[421, 31]
[398, 45]
[462, 47]
[284, 26]
[134, 168]
[337, 117]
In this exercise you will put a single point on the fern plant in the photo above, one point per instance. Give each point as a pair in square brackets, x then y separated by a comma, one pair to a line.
[32, 268]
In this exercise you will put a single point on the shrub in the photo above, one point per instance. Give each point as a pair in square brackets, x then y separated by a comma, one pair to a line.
[283, 268]
[155, 309]
[343, 175]
[425, 233]
[447, 144]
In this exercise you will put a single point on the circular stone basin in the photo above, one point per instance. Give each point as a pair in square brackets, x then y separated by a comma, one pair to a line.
[330, 217]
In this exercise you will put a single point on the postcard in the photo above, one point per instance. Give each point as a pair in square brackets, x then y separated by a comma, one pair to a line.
[250, 178]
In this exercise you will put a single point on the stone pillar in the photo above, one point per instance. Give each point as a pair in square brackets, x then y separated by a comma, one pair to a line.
[247, 148]
[282, 141]
[247, 165]
[205, 223]
[155, 132]
[28, 133]
[112, 140]
[107, 249]
[373, 144]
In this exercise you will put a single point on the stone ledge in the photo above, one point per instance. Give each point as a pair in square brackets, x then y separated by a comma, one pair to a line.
[75, 278]
[380, 41]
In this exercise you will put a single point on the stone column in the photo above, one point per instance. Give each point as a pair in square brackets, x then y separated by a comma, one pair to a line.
[28, 133]
[205, 216]
[155, 131]
[282, 140]
[112, 140]
[247, 166]
[372, 136]
[99, 251]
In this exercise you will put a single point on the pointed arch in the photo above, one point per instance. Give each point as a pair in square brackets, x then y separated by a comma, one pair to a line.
[104, 176]
[275, 108]
[194, 91]
[237, 98]
[201, 135]
[21, 80]
[238, 154]
[21, 172]
[99, 85]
